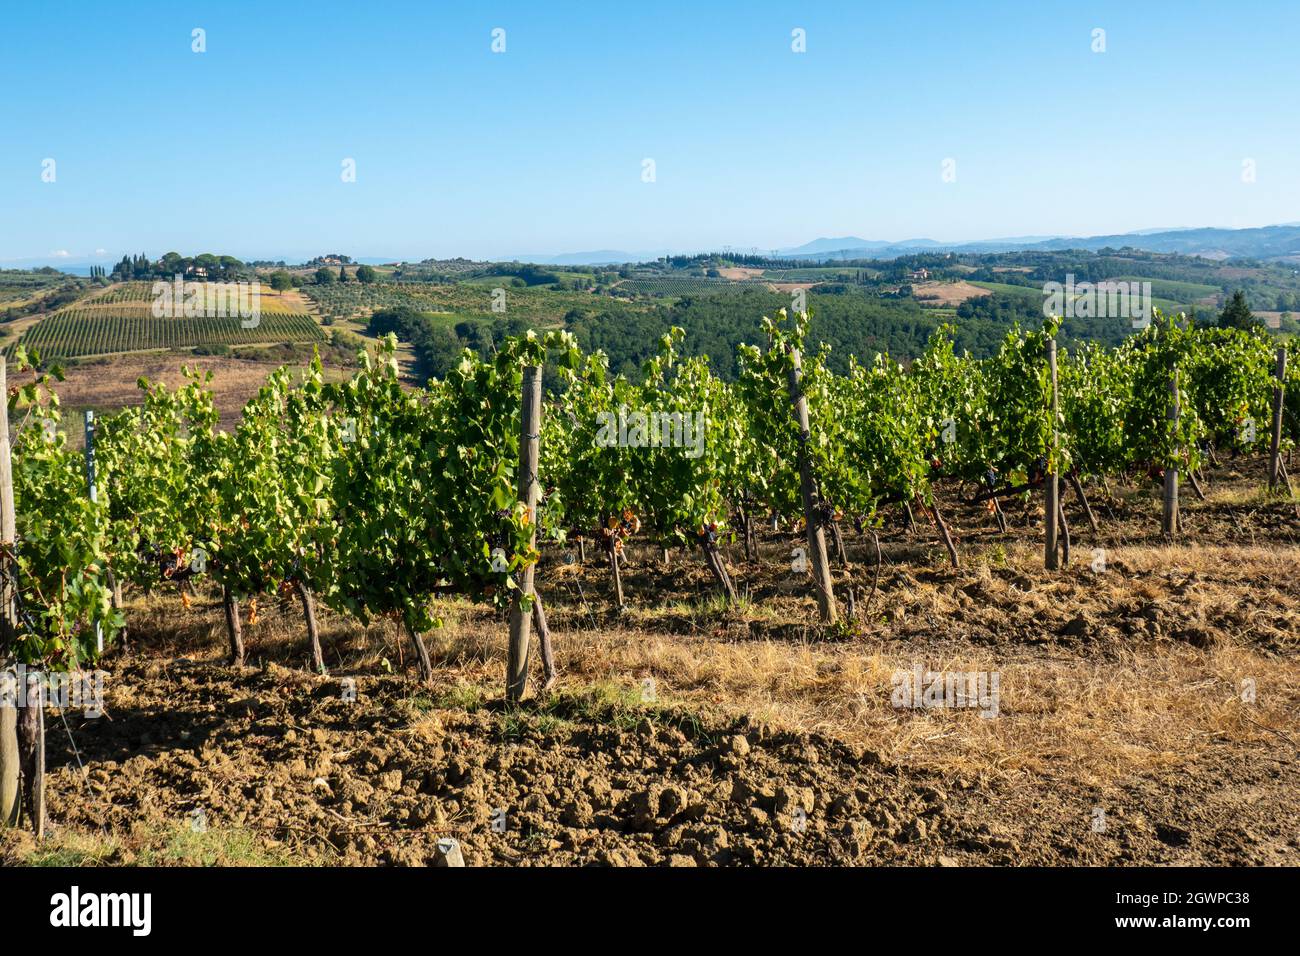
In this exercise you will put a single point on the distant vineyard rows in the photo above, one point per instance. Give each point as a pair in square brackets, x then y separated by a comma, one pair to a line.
[121, 319]
[80, 331]
[689, 286]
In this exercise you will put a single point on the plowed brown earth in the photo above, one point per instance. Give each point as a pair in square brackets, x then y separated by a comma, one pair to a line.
[947, 293]
[110, 383]
[1148, 714]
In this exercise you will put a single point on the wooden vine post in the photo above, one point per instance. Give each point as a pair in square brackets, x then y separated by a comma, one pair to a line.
[1275, 445]
[1051, 482]
[10, 805]
[1169, 522]
[521, 618]
[812, 519]
[31, 752]
[25, 750]
[92, 487]
[93, 493]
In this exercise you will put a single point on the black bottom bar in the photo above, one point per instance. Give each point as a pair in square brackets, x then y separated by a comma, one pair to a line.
[335, 906]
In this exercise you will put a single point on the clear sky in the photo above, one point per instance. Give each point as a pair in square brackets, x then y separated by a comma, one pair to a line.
[540, 149]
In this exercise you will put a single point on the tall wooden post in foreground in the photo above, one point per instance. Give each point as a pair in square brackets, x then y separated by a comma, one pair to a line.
[812, 521]
[1051, 481]
[22, 752]
[93, 492]
[521, 620]
[1169, 523]
[9, 801]
[1275, 446]
[31, 750]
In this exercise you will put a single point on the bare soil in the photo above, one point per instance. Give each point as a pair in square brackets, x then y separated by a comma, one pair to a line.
[947, 293]
[1148, 713]
[740, 273]
[110, 383]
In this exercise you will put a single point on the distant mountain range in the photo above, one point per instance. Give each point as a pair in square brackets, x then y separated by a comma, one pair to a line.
[1267, 242]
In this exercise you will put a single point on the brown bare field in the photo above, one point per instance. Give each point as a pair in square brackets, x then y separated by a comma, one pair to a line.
[1147, 713]
[109, 384]
[740, 273]
[293, 299]
[947, 293]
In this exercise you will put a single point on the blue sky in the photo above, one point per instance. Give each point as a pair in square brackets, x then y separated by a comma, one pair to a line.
[460, 151]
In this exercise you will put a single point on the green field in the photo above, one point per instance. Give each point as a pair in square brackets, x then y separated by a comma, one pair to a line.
[1030, 295]
[1187, 292]
[536, 305]
[16, 287]
[1034, 295]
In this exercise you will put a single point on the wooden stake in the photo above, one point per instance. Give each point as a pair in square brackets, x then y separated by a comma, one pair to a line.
[10, 805]
[521, 621]
[31, 750]
[816, 533]
[1169, 522]
[93, 494]
[1275, 445]
[1051, 485]
[10, 801]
